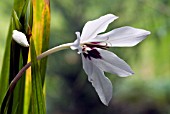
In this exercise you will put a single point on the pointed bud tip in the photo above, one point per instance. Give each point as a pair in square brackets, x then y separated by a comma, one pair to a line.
[26, 45]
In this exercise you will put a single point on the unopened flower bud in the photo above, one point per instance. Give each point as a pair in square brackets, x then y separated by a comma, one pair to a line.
[20, 38]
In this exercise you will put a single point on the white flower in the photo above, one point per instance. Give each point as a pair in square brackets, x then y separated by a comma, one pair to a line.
[96, 59]
[20, 38]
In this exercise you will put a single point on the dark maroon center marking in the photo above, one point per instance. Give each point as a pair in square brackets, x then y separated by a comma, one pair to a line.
[92, 53]
[97, 44]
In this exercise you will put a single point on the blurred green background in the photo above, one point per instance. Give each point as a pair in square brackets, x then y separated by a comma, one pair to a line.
[67, 88]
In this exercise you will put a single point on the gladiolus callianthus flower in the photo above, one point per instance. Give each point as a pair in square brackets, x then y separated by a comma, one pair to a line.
[96, 59]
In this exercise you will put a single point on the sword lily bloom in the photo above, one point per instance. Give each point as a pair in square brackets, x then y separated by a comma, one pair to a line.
[96, 59]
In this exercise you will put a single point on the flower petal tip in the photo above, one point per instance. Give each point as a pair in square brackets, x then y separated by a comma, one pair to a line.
[148, 32]
[111, 15]
[132, 73]
[106, 103]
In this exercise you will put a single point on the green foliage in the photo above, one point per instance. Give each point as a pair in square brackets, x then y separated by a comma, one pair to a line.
[37, 97]
[16, 57]
[17, 23]
[12, 62]
[5, 69]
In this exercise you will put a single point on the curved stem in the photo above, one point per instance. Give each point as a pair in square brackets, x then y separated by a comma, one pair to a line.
[44, 54]
[17, 77]
[21, 72]
[53, 50]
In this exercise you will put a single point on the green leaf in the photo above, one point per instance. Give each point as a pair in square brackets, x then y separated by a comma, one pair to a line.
[31, 15]
[11, 61]
[41, 17]
[24, 10]
[5, 66]
[18, 6]
[17, 23]
[37, 97]
[40, 13]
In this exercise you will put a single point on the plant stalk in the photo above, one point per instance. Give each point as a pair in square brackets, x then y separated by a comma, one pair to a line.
[21, 72]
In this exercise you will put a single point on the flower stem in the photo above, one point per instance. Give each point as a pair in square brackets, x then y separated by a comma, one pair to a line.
[53, 50]
[44, 54]
[21, 72]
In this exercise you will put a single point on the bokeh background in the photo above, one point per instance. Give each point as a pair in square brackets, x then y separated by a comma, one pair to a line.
[67, 88]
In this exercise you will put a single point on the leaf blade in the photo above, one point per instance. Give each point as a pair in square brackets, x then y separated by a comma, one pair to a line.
[38, 102]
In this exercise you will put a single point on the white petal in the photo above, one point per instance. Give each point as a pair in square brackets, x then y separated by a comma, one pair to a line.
[122, 37]
[20, 38]
[92, 28]
[102, 84]
[87, 65]
[112, 63]
[76, 43]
